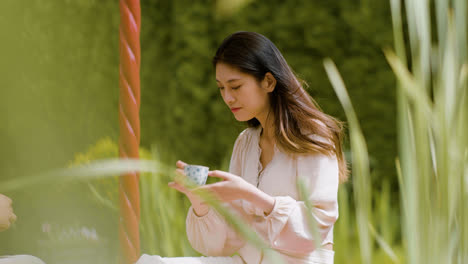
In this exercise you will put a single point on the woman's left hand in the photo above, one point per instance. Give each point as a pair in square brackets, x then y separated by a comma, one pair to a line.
[231, 188]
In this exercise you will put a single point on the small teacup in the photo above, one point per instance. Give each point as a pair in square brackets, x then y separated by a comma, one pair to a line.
[197, 173]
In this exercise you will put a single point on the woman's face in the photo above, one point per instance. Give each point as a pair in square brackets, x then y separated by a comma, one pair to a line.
[243, 94]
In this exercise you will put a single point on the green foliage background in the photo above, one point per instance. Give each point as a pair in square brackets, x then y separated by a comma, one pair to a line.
[60, 83]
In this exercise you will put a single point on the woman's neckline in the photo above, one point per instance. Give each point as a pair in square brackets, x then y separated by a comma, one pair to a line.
[259, 151]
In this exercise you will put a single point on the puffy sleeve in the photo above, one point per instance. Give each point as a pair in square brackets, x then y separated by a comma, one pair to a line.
[287, 223]
[210, 234]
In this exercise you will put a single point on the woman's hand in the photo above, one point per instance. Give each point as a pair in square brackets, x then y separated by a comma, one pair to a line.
[198, 206]
[231, 188]
[7, 217]
[234, 187]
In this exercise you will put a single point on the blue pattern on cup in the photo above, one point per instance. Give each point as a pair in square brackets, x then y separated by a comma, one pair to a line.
[198, 174]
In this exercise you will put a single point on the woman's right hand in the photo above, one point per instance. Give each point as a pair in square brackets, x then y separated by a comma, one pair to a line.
[198, 206]
[7, 217]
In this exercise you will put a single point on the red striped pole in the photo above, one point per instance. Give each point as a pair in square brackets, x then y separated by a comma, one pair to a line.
[129, 124]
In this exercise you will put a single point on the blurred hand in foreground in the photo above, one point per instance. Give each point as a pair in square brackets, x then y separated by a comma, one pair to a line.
[7, 217]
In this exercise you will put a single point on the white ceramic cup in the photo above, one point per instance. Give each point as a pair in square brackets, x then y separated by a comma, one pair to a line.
[197, 173]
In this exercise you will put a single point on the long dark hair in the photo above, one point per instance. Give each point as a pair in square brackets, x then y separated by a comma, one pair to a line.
[296, 114]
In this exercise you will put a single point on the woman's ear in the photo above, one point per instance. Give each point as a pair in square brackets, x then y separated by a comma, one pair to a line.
[269, 82]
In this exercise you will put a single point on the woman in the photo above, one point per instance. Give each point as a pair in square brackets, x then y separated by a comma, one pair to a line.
[287, 137]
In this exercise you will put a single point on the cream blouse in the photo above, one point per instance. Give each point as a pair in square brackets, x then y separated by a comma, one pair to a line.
[285, 229]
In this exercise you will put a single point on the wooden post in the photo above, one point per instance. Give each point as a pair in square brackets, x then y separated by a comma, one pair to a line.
[129, 124]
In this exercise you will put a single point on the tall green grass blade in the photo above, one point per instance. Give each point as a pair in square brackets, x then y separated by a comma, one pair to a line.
[360, 163]
[460, 7]
[344, 226]
[441, 11]
[106, 202]
[399, 43]
[311, 222]
[405, 131]
[410, 87]
[384, 245]
[93, 170]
